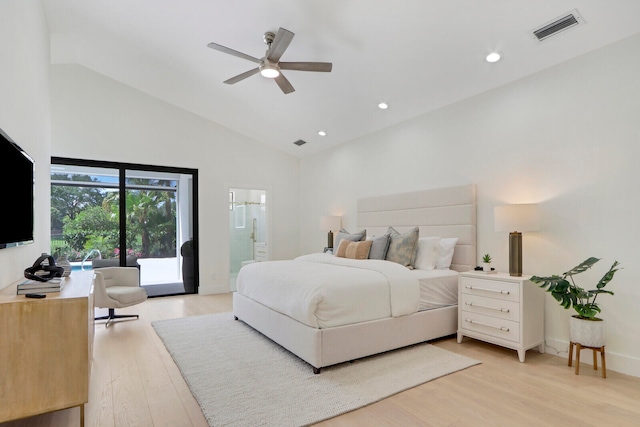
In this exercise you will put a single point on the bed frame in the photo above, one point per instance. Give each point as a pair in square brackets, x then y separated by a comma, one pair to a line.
[443, 212]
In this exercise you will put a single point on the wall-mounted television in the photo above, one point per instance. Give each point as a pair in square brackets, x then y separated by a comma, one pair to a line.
[16, 227]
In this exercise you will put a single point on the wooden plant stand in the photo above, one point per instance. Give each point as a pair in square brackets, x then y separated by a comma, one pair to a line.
[579, 348]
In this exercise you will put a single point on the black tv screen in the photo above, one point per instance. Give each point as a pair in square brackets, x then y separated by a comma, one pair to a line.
[16, 226]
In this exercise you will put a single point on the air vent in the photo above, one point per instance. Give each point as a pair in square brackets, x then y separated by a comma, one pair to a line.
[558, 25]
[300, 142]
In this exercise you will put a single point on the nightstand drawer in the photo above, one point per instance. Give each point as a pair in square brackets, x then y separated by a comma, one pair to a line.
[490, 326]
[503, 309]
[490, 288]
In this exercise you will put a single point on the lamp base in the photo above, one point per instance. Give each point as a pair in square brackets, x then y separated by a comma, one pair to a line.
[515, 254]
[330, 240]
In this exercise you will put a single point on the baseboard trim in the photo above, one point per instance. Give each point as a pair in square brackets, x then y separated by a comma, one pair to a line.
[615, 361]
[212, 289]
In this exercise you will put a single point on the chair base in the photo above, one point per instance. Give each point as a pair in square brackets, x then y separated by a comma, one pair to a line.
[112, 315]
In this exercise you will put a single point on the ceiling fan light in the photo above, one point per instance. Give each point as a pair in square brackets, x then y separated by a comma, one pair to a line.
[269, 71]
[493, 57]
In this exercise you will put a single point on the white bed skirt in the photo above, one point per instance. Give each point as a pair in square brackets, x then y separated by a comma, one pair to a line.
[326, 347]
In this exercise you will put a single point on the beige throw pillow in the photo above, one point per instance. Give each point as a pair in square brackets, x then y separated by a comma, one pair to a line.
[341, 250]
[354, 250]
[353, 237]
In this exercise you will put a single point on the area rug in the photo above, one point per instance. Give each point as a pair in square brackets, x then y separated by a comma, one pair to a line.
[241, 378]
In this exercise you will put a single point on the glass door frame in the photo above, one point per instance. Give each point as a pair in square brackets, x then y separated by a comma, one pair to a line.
[122, 169]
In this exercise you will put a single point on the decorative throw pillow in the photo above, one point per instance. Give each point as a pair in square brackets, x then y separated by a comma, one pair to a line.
[427, 255]
[402, 248]
[445, 254]
[379, 247]
[344, 234]
[355, 250]
[341, 249]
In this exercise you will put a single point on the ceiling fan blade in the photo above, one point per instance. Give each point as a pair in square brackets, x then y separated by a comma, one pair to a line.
[242, 76]
[230, 51]
[306, 66]
[279, 45]
[284, 84]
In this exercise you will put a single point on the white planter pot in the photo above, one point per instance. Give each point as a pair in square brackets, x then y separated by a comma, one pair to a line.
[590, 333]
[486, 266]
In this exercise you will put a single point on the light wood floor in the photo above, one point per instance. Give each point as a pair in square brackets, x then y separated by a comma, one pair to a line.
[134, 382]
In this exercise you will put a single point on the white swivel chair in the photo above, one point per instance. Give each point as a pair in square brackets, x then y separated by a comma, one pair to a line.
[117, 287]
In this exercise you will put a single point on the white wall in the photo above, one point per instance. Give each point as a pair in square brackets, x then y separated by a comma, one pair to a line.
[567, 138]
[94, 117]
[24, 116]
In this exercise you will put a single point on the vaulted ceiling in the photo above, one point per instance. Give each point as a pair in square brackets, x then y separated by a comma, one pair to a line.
[415, 55]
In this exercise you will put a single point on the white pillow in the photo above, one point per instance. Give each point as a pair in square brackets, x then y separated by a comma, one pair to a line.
[428, 249]
[445, 254]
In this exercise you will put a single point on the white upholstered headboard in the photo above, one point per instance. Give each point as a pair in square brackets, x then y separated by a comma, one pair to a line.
[441, 212]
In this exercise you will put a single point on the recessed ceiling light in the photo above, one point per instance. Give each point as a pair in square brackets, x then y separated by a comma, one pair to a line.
[383, 106]
[493, 57]
[322, 133]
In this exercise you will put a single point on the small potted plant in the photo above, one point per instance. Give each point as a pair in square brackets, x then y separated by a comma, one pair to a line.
[486, 262]
[584, 328]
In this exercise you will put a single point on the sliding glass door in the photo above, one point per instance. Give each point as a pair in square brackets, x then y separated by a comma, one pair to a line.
[129, 215]
[157, 230]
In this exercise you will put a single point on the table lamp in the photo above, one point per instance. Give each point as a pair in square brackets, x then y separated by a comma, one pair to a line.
[515, 219]
[330, 223]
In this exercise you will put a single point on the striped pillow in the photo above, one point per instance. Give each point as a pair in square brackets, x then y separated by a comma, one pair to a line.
[354, 250]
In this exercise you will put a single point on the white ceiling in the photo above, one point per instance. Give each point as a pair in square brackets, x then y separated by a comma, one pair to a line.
[416, 55]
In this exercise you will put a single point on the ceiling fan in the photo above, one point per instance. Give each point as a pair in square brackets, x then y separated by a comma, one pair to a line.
[270, 65]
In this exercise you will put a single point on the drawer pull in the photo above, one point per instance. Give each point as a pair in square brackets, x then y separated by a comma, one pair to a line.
[497, 291]
[501, 328]
[503, 310]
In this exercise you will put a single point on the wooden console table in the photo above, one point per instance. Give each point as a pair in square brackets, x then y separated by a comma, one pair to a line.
[46, 348]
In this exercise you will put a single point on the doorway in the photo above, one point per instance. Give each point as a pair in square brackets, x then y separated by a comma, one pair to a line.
[247, 229]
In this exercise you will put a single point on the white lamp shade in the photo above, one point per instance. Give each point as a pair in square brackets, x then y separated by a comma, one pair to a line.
[330, 223]
[523, 217]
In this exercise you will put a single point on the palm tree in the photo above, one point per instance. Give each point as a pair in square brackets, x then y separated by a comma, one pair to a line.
[150, 217]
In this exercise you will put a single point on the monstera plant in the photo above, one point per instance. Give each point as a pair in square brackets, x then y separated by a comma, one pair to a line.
[584, 328]
[569, 294]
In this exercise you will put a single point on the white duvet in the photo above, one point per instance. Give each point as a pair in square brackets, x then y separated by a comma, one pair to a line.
[322, 291]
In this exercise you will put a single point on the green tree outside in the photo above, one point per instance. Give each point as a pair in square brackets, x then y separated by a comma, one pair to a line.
[87, 218]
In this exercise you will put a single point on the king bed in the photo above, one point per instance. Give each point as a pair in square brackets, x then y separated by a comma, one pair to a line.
[328, 309]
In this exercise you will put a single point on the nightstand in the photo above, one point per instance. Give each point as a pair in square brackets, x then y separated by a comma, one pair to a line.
[502, 310]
